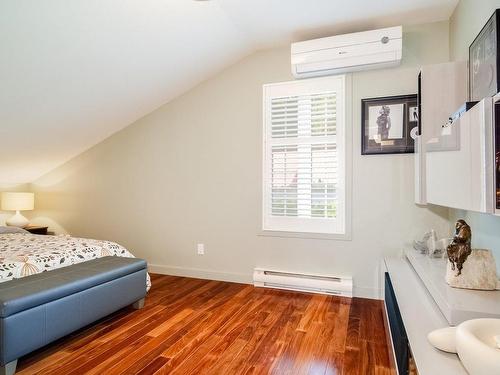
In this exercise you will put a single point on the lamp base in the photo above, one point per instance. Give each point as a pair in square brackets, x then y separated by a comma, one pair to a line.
[17, 220]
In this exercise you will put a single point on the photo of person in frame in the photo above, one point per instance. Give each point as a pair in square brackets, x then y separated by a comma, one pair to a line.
[384, 122]
[389, 124]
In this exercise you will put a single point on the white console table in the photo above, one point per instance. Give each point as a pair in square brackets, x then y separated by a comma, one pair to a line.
[420, 315]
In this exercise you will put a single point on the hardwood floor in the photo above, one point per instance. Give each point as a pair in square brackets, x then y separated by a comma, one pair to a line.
[192, 326]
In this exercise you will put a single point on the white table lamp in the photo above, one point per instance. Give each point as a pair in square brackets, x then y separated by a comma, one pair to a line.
[18, 202]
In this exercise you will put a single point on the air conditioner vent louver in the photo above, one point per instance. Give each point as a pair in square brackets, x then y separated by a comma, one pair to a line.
[333, 285]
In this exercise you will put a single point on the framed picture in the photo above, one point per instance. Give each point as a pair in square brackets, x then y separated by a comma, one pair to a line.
[484, 61]
[389, 125]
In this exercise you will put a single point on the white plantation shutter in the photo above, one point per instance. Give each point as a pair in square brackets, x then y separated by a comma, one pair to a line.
[304, 156]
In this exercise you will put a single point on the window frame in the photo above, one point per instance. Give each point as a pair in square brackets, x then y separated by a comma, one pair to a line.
[339, 228]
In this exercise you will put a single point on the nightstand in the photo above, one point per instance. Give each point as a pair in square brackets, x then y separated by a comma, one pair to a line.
[37, 229]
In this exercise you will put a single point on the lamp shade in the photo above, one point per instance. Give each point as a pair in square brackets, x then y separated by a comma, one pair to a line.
[18, 201]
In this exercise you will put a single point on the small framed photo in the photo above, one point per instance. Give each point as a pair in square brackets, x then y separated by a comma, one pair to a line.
[484, 60]
[389, 124]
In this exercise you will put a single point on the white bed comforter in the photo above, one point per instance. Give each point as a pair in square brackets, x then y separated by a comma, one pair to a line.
[24, 254]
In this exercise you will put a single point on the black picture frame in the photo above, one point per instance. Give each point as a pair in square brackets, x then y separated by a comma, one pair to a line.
[383, 132]
[484, 60]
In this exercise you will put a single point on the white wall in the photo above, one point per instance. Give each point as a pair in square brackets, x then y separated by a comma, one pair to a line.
[191, 172]
[466, 22]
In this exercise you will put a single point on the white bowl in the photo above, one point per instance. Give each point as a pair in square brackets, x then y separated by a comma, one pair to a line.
[444, 339]
[477, 348]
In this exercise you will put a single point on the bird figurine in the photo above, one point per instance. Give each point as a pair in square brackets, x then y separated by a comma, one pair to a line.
[460, 247]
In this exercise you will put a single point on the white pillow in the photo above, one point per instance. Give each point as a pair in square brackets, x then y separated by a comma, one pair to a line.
[6, 230]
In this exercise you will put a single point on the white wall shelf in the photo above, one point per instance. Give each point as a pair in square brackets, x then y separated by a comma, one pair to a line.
[457, 305]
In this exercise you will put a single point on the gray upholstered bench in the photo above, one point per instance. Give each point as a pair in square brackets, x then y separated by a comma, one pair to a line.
[39, 309]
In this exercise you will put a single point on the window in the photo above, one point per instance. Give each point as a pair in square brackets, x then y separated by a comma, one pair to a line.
[304, 156]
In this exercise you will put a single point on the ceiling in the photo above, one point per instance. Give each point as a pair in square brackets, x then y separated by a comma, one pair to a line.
[74, 72]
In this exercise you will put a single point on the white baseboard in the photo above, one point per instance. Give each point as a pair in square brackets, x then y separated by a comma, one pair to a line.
[198, 273]
[366, 292]
[201, 273]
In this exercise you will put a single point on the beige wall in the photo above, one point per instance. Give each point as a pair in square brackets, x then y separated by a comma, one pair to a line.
[191, 172]
[466, 22]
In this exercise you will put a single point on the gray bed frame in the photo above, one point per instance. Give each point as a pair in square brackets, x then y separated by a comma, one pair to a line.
[38, 309]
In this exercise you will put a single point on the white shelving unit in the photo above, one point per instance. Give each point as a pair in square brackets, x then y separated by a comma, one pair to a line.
[420, 315]
[456, 305]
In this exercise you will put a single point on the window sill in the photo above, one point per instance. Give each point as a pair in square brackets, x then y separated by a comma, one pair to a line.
[305, 235]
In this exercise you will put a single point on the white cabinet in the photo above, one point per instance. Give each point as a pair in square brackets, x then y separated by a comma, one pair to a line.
[455, 163]
[460, 162]
[442, 90]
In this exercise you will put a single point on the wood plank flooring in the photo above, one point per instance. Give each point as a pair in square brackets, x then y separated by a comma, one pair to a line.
[192, 326]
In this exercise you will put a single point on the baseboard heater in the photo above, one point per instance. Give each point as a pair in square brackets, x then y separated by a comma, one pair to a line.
[339, 286]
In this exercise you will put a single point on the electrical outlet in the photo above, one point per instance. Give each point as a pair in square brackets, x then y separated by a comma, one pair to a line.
[201, 249]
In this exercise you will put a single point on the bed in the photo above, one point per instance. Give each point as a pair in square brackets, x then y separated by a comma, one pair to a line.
[88, 280]
[23, 254]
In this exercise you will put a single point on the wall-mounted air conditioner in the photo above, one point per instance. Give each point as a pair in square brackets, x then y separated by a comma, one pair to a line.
[340, 286]
[346, 53]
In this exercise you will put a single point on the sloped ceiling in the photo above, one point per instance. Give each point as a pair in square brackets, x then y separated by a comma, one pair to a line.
[73, 72]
